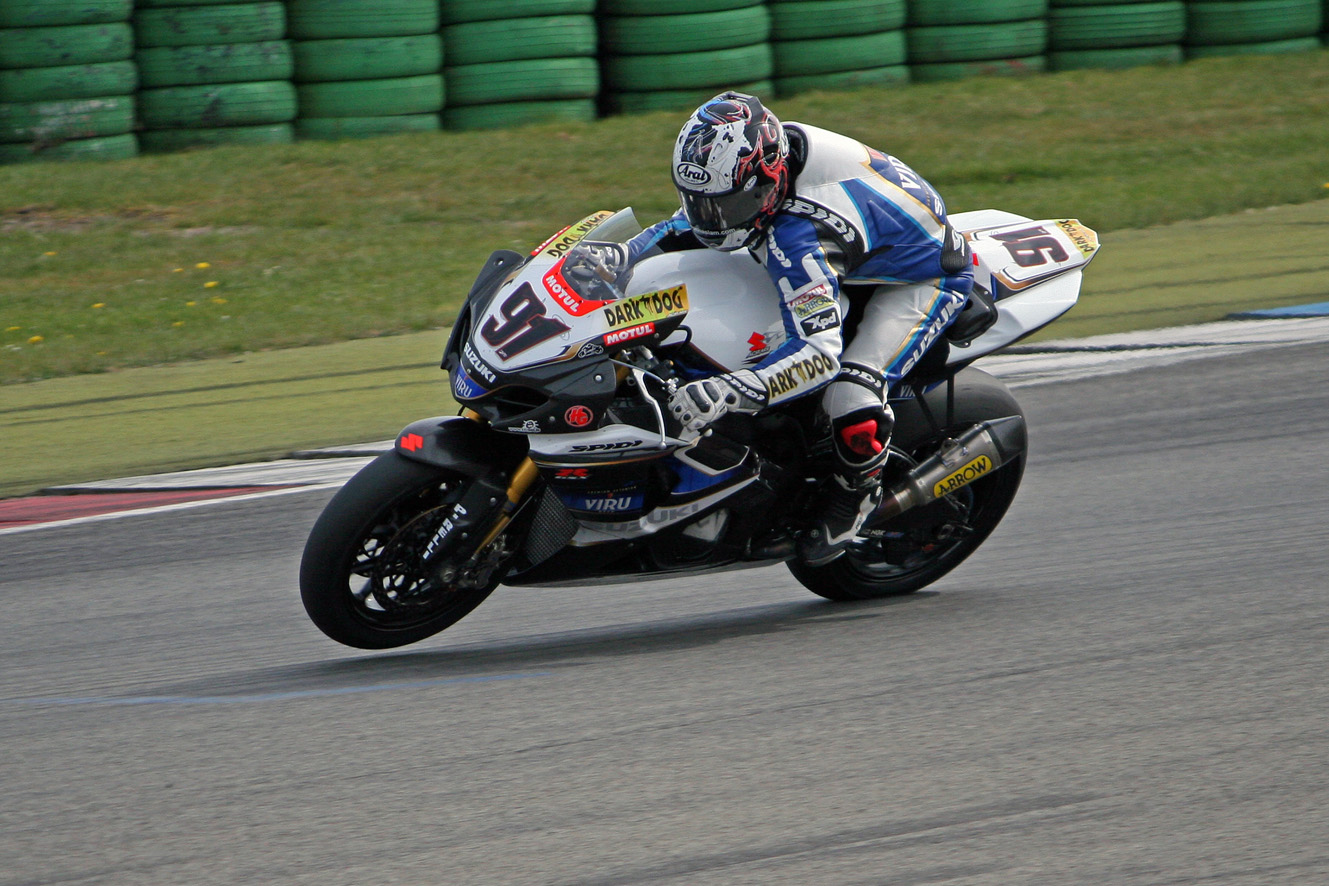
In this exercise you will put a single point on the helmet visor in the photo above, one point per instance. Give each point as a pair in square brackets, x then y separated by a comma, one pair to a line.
[723, 213]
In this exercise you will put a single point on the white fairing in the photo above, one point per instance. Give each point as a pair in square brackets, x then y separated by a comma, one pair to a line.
[732, 308]
[1030, 292]
[730, 297]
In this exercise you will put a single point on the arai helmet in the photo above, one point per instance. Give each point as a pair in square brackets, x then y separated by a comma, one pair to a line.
[731, 170]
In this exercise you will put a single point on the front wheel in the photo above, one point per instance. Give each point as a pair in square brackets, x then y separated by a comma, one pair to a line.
[914, 549]
[363, 579]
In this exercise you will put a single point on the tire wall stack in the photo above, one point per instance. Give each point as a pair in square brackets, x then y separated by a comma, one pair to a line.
[104, 79]
[1115, 34]
[950, 40]
[837, 44]
[67, 80]
[675, 54]
[366, 67]
[1236, 27]
[511, 62]
[212, 73]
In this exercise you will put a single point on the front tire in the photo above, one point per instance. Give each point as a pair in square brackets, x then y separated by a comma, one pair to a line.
[362, 577]
[914, 549]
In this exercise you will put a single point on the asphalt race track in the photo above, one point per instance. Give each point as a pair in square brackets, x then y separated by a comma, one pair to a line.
[1126, 685]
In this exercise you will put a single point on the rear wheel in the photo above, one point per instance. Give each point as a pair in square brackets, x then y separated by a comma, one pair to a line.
[910, 551]
[363, 579]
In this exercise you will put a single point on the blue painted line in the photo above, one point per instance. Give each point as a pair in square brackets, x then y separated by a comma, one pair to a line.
[1318, 309]
[260, 697]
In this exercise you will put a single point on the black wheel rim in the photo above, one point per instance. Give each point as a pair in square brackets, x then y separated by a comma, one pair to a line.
[387, 581]
[916, 546]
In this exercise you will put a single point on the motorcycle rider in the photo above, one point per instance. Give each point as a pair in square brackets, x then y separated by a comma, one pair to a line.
[820, 211]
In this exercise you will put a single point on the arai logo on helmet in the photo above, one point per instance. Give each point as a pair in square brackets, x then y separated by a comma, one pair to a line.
[692, 174]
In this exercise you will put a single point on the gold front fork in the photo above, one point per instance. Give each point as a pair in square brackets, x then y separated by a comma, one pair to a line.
[522, 478]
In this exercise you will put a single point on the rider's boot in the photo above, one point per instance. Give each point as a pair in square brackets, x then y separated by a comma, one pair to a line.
[855, 489]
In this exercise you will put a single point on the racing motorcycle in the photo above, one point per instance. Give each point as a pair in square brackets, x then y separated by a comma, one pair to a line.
[565, 467]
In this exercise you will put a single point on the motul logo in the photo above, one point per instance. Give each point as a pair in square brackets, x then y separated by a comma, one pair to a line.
[614, 338]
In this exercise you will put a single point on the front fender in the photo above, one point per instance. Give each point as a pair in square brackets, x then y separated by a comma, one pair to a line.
[460, 444]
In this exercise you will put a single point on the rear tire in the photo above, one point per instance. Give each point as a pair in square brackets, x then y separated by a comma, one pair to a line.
[361, 579]
[929, 541]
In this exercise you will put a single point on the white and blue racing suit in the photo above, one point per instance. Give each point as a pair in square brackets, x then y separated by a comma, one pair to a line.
[854, 217]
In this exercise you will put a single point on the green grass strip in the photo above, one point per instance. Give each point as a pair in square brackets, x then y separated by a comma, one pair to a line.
[316, 242]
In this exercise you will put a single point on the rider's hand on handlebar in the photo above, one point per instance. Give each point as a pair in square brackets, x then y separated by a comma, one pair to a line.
[699, 403]
[598, 263]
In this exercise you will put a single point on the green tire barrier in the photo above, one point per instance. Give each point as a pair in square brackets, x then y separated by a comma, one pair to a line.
[949, 12]
[687, 32]
[159, 140]
[47, 122]
[828, 54]
[1124, 57]
[156, 4]
[364, 127]
[679, 99]
[48, 13]
[1117, 25]
[367, 58]
[1056, 3]
[68, 81]
[225, 63]
[889, 75]
[550, 36]
[810, 19]
[689, 70]
[65, 45]
[936, 72]
[1268, 47]
[669, 7]
[1251, 21]
[210, 25]
[959, 43]
[332, 19]
[498, 116]
[527, 80]
[372, 98]
[458, 11]
[113, 147]
[223, 104]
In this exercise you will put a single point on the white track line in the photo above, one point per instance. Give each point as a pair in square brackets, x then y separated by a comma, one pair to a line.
[164, 509]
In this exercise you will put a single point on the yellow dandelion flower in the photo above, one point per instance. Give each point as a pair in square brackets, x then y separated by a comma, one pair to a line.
[203, 265]
[178, 323]
[13, 329]
[179, 271]
[211, 284]
[56, 253]
[190, 304]
[218, 300]
[36, 340]
[100, 304]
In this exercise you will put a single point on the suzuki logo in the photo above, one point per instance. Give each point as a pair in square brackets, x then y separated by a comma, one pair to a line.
[412, 442]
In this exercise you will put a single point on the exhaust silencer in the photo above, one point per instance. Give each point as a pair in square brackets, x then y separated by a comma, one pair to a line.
[976, 453]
